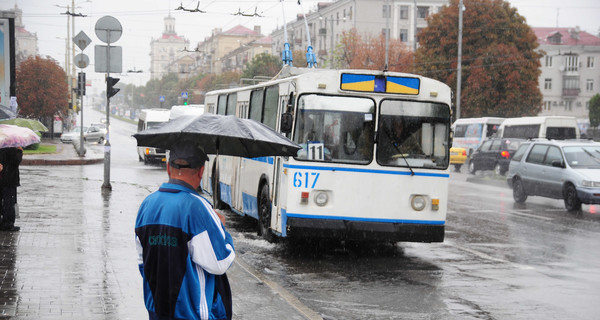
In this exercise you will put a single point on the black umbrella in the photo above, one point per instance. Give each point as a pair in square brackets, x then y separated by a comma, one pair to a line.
[6, 113]
[217, 134]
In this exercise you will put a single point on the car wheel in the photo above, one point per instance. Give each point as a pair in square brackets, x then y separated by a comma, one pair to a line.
[472, 169]
[519, 191]
[101, 140]
[264, 214]
[498, 170]
[572, 202]
[457, 167]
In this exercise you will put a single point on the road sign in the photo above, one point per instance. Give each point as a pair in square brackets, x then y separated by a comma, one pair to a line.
[161, 98]
[82, 40]
[82, 60]
[184, 95]
[101, 58]
[108, 29]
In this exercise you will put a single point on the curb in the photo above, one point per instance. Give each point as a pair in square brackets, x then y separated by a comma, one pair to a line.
[64, 156]
[57, 162]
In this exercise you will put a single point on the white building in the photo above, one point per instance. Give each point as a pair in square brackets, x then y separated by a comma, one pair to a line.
[26, 42]
[570, 70]
[369, 17]
[166, 50]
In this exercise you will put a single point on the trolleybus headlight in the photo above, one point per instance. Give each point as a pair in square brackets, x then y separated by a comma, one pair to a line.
[418, 202]
[321, 198]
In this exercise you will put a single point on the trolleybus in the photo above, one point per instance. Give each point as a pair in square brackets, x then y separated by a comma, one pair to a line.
[357, 176]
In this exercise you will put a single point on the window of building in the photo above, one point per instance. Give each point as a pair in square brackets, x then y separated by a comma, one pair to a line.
[549, 61]
[590, 62]
[404, 35]
[571, 83]
[387, 11]
[404, 12]
[422, 12]
[571, 62]
[589, 85]
[548, 84]
[569, 105]
[337, 18]
[547, 105]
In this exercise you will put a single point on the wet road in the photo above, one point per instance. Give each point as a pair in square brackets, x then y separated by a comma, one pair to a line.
[499, 261]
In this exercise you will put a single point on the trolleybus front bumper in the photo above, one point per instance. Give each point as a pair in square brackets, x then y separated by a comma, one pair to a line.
[364, 230]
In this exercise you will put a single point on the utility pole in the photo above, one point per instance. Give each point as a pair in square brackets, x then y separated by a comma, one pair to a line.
[459, 64]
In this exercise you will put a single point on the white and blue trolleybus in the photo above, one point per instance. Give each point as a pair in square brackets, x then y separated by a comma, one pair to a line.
[374, 162]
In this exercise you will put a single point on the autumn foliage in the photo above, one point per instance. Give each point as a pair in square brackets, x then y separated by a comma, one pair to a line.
[42, 90]
[500, 67]
[356, 52]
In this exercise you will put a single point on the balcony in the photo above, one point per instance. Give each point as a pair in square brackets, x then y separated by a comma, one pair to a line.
[322, 31]
[570, 92]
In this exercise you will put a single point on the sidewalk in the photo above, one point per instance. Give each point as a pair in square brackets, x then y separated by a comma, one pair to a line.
[65, 155]
[75, 258]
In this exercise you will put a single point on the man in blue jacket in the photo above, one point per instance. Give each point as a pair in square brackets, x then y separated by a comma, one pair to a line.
[182, 245]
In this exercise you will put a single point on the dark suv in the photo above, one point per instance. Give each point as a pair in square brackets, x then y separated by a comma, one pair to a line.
[494, 154]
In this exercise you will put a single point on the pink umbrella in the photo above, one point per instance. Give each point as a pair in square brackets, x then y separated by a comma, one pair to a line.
[14, 136]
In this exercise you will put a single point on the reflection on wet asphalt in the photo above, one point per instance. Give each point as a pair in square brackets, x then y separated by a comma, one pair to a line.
[72, 258]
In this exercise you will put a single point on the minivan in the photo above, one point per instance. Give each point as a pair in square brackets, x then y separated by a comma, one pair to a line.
[545, 127]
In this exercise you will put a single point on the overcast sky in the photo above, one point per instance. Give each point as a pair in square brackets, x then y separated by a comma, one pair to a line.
[142, 21]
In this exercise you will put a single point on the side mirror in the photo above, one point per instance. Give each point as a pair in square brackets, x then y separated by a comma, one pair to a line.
[286, 122]
[558, 163]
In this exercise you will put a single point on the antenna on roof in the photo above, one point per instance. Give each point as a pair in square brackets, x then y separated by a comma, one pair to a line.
[311, 59]
[286, 55]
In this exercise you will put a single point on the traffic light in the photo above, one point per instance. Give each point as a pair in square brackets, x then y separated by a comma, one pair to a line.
[81, 84]
[110, 90]
[185, 102]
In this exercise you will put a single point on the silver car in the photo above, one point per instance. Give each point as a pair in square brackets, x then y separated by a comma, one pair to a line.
[558, 169]
[90, 134]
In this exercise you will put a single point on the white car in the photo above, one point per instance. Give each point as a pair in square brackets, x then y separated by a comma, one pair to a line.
[90, 134]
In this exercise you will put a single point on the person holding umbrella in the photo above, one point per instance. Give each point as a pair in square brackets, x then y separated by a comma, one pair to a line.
[10, 158]
[183, 247]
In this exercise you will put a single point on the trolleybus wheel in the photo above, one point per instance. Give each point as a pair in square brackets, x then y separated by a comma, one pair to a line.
[264, 214]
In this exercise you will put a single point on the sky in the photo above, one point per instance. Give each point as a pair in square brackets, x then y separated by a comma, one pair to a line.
[142, 21]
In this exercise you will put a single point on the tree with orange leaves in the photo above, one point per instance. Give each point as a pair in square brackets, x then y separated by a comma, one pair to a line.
[42, 90]
[354, 52]
[500, 67]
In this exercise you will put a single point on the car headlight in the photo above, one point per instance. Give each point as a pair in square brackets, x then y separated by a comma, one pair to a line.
[590, 184]
[418, 202]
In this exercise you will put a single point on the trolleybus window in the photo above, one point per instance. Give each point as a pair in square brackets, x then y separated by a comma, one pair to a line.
[256, 101]
[231, 102]
[270, 111]
[334, 128]
[413, 134]
[222, 105]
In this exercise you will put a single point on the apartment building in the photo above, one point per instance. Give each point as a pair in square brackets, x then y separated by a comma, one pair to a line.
[214, 48]
[401, 18]
[570, 70]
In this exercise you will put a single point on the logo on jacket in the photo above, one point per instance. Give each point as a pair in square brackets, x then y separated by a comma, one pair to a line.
[162, 240]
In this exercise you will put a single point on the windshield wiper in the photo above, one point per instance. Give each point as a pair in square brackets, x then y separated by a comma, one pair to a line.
[395, 144]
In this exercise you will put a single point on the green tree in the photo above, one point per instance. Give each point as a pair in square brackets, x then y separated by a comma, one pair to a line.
[500, 67]
[262, 65]
[594, 114]
[42, 90]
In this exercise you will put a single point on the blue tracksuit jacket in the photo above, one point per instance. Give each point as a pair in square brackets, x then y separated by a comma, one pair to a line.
[181, 245]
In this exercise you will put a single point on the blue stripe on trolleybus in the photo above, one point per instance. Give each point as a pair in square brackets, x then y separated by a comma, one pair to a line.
[378, 171]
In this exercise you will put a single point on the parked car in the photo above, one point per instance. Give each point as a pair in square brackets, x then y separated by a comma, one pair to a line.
[458, 156]
[558, 169]
[90, 134]
[101, 126]
[494, 154]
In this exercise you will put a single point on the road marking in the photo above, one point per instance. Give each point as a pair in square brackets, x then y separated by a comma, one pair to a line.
[286, 295]
[485, 256]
